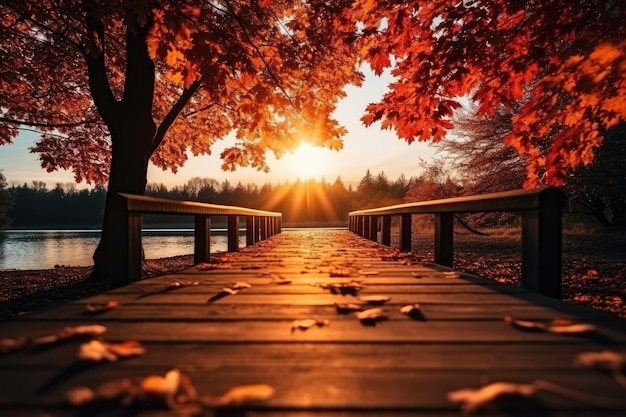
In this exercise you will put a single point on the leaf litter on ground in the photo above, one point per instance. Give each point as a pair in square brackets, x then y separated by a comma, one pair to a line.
[351, 287]
[347, 308]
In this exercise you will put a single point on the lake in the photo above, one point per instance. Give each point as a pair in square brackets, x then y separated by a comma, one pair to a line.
[43, 249]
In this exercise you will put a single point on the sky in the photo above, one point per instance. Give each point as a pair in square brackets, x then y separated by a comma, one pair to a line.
[364, 148]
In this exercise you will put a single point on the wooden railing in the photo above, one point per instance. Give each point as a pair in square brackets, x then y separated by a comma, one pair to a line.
[541, 229]
[259, 226]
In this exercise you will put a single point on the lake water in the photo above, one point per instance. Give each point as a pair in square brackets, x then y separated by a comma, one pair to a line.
[43, 249]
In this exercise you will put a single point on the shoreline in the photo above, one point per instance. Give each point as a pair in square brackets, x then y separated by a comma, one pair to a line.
[23, 291]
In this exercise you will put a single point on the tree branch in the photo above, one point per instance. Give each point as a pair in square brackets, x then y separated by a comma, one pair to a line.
[171, 116]
[41, 124]
[98, 82]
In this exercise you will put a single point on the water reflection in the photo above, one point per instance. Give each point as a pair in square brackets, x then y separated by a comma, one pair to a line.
[43, 249]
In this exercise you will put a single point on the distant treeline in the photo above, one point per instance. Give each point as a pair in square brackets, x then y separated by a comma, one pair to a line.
[303, 203]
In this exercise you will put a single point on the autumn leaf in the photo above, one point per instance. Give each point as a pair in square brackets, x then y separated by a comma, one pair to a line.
[305, 324]
[371, 316]
[474, 399]
[347, 308]
[245, 394]
[9, 344]
[99, 351]
[88, 330]
[95, 309]
[374, 299]
[556, 326]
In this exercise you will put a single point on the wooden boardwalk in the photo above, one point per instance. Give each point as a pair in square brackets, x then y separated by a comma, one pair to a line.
[402, 365]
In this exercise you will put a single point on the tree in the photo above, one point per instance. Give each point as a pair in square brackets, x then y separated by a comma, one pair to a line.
[561, 61]
[478, 153]
[113, 84]
[6, 201]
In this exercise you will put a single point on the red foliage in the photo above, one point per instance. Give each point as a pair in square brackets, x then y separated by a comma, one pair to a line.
[563, 62]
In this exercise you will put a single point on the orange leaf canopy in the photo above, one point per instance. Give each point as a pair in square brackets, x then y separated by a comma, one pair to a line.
[269, 71]
[562, 63]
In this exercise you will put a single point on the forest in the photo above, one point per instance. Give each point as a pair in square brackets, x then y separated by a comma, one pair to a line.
[303, 203]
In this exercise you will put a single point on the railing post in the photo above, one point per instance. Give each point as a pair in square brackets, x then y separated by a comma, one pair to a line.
[233, 233]
[541, 246]
[373, 221]
[249, 230]
[280, 223]
[443, 239]
[202, 238]
[386, 230]
[405, 232]
[130, 268]
[358, 225]
[366, 227]
[263, 228]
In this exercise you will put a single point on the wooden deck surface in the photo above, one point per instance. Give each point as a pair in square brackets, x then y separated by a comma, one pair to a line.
[399, 366]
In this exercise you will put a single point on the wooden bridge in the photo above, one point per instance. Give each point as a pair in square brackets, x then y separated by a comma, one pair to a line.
[315, 323]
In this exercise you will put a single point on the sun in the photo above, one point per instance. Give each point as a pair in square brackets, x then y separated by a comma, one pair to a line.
[308, 161]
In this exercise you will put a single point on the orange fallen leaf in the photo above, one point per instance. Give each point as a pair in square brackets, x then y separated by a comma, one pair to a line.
[246, 394]
[161, 385]
[99, 351]
[69, 332]
[94, 309]
[371, 316]
[556, 326]
[12, 344]
[473, 399]
[374, 299]
[347, 308]
[304, 324]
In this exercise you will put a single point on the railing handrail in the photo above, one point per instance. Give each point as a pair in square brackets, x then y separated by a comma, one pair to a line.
[260, 225]
[516, 200]
[541, 229]
[159, 205]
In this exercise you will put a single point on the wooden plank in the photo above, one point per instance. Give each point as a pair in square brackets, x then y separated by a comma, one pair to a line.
[231, 312]
[305, 389]
[363, 357]
[342, 329]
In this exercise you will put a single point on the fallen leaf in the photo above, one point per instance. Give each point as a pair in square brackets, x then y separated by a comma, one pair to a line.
[371, 316]
[69, 332]
[304, 324]
[451, 274]
[605, 360]
[12, 344]
[473, 399]
[526, 324]
[246, 394]
[561, 326]
[344, 288]
[211, 266]
[367, 273]
[375, 299]
[94, 309]
[416, 275]
[557, 326]
[161, 385]
[79, 396]
[339, 272]
[347, 308]
[229, 291]
[279, 279]
[239, 285]
[99, 351]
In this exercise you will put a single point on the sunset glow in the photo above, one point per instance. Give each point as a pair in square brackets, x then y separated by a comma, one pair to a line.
[308, 161]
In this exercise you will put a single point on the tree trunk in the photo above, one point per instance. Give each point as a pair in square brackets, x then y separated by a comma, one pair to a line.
[129, 166]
